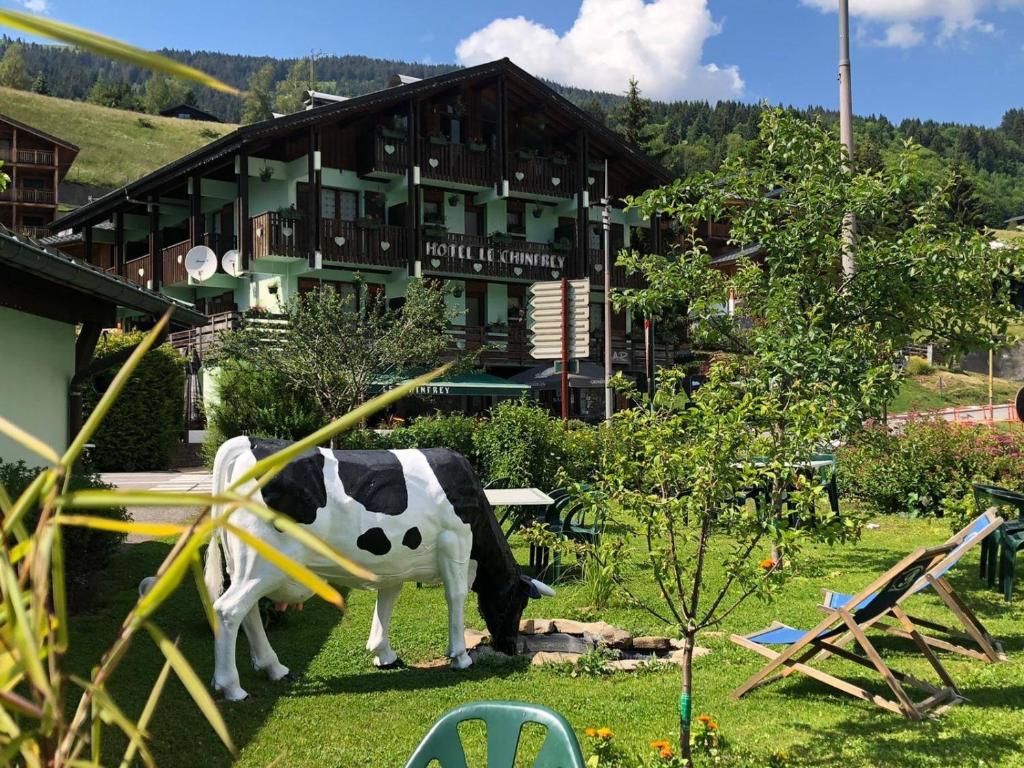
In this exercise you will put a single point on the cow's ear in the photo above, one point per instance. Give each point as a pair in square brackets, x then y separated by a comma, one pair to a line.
[535, 589]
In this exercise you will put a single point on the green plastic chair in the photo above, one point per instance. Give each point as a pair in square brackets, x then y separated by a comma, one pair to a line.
[504, 721]
[999, 550]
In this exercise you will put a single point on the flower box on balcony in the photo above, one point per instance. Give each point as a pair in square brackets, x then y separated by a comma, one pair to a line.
[526, 154]
[391, 133]
[438, 139]
[368, 222]
[435, 230]
[559, 158]
[477, 146]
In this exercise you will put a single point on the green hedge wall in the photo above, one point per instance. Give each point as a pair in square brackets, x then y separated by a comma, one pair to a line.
[146, 422]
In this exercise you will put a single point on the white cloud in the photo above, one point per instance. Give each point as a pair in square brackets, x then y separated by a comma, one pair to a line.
[36, 6]
[661, 43]
[902, 20]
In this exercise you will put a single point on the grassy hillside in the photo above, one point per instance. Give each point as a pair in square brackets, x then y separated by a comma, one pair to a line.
[116, 146]
[943, 389]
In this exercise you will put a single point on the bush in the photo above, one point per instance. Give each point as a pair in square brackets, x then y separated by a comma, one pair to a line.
[918, 366]
[455, 431]
[86, 551]
[521, 445]
[146, 422]
[930, 464]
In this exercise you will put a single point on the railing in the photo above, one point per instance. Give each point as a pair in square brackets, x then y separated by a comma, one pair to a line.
[276, 235]
[381, 245]
[140, 270]
[174, 262]
[457, 162]
[384, 153]
[35, 157]
[29, 195]
[506, 345]
[541, 175]
[619, 277]
[34, 232]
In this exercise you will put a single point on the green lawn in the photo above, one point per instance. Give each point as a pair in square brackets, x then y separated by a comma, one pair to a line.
[943, 389]
[115, 146]
[342, 712]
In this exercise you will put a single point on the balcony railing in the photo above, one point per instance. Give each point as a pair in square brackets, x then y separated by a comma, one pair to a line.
[507, 345]
[384, 152]
[276, 235]
[508, 258]
[174, 262]
[140, 270]
[34, 232]
[381, 245]
[619, 277]
[541, 175]
[35, 157]
[469, 164]
[28, 195]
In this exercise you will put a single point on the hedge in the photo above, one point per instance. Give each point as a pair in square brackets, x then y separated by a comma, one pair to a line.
[146, 422]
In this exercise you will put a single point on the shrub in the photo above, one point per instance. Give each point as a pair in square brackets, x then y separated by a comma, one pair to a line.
[86, 551]
[921, 470]
[918, 366]
[520, 445]
[453, 431]
[146, 422]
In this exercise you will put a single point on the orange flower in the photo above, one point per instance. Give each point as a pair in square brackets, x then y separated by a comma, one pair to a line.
[666, 753]
[710, 724]
[605, 734]
[591, 732]
[660, 744]
[767, 564]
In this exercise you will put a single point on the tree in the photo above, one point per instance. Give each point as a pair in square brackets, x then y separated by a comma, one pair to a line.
[40, 85]
[333, 356]
[596, 110]
[634, 114]
[806, 357]
[964, 204]
[290, 93]
[161, 92]
[117, 94]
[258, 101]
[12, 68]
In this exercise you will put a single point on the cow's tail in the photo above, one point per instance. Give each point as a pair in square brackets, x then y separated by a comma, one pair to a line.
[225, 459]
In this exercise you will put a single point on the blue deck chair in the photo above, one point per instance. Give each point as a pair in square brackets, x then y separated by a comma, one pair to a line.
[988, 648]
[880, 597]
[504, 721]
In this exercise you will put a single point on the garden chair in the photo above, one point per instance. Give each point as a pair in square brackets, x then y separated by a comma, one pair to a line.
[881, 596]
[989, 649]
[504, 721]
[826, 476]
[999, 551]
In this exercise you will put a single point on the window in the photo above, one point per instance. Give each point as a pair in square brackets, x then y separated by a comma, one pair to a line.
[476, 303]
[433, 206]
[348, 291]
[476, 220]
[335, 204]
[374, 204]
[516, 303]
[516, 221]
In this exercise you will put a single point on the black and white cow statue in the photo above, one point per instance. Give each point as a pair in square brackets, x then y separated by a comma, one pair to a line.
[404, 515]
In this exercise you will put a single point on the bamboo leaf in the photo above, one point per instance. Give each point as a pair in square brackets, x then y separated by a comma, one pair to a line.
[59, 589]
[95, 498]
[147, 712]
[204, 595]
[276, 461]
[5, 502]
[169, 580]
[20, 630]
[294, 570]
[106, 46]
[192, 684]
[120, 379]
[24, 502]
[110, 712]
[27, 441]
[17, 703]
[123, 526]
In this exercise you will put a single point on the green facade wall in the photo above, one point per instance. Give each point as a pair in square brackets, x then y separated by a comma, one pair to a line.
[37, 361]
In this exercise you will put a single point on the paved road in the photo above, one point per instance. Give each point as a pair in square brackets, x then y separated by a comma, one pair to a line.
[198, 481]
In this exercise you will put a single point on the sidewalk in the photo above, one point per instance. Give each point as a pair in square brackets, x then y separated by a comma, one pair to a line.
[197, 481]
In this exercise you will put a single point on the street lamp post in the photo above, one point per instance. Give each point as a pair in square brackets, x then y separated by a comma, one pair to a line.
[846, 126]
[606, 224]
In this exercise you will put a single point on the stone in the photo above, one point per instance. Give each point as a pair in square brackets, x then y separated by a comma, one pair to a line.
[617, 638]
[486, 652]
[474, 637]
[570, 627]
[557, 642]
[536, 626]
[553, 657]
[676, 657]
[626, 665]
[651, 644]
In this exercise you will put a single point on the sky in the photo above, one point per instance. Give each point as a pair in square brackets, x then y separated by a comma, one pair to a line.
[951, 60]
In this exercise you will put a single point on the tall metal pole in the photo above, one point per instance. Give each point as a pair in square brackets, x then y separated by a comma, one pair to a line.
[565, 353]
[606, 224]
[846, 126]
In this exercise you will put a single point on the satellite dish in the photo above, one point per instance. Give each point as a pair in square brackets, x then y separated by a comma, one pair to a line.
[232, 263]
[200, 263]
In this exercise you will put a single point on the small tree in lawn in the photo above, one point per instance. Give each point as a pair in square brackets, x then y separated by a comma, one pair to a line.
[806, 357]
[335, 354]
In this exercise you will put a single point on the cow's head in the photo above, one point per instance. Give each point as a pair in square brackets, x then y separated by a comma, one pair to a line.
[502, 610]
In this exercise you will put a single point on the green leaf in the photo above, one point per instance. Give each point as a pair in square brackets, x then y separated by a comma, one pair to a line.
[29, 442]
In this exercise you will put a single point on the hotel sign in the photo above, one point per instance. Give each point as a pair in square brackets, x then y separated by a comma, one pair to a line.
[500, 254]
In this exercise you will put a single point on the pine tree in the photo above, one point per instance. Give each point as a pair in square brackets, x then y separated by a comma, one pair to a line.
[40, 85]
[162, 92]
[965, 205]
[635, 114]
[258, 102]
[596, 110]
[12, 68]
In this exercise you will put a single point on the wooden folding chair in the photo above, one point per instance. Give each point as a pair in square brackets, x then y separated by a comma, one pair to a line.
[882, 596]
[973, 631]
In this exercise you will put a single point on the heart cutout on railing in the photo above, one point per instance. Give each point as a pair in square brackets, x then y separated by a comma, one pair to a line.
[477, 267]
[554, 274]
[389, 148]
[599, 267]
[435, 263]
[517, 270]
[286, 231]
[339, 240]
[384, 245]
[520, 175]
[433, 162]
[555, 181]
[180, 258]
[591, 179]
[259, 231]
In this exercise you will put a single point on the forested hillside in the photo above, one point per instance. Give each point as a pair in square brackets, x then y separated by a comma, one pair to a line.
[687, 136]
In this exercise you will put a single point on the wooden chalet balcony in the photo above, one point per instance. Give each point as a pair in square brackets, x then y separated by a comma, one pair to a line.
[537, 175]
[381, 245]
[463, 163]
[140, 270]
[34, 232]
[476, 255]
[504, 345]
[619, 277]
[384, 152]
[28, 195]
[276, 235]
[34, 157]
[174, 257]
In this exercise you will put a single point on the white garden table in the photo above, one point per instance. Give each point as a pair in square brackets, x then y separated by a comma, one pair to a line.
[517, 497]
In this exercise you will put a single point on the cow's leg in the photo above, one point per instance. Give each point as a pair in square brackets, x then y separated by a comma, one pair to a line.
[379, 643]
[231, 608]
[263, 656]
[453, 554]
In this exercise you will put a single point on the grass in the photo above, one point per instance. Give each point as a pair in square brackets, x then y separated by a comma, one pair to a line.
[342, 711]
[116, 146]
[944, 389]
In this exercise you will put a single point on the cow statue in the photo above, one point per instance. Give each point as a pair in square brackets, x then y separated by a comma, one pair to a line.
[404, 515]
